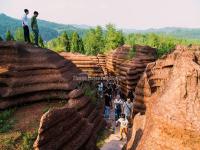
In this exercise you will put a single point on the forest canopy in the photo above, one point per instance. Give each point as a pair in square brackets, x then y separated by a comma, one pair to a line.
[99, 40]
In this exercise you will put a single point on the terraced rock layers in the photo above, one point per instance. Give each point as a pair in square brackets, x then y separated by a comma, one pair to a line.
[130, 71]
[72, 127]
[29, 74]
[168, 94]
[91, 65]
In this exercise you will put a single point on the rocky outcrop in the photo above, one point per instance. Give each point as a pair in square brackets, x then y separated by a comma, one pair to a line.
[72, 127]
[130, 71]
[168, 94]
[102, 62]
[119, 62]
[29, 74]
[88, 64]
[115, 58]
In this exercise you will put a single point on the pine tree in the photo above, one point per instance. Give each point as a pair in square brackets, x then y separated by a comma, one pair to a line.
[113, 38]
[40, 41]
[74, 42]
[19, 34]
[81, 46]
[9, 36]
[1, 39]
[64, 41]
[93, 41]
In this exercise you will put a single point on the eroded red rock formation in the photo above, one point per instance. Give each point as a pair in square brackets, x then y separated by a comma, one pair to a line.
[88, 64]
[116, 57]
[30, 74]
[72, 127]
[168, 93]
[130, 71]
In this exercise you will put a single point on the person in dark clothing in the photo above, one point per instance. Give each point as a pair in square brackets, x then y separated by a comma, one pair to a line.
[108, 105]
[131, 95]
[34, 27]
[25, 26]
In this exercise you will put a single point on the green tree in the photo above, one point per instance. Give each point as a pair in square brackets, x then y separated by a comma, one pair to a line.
[81, 46]
[64, 41]
[94, 41]
[9, 36]
[32, 37]
[61, 43]
[1, 39]
[19, 35]
[113, 38]
[76, 43]
[40, 41]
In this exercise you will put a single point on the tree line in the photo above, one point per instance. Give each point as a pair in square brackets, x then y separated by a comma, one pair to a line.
[99, 40]
[19, 36]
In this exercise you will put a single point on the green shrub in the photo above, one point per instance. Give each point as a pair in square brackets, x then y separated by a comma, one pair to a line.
[91, 93]
[5, 122]
[28, 139]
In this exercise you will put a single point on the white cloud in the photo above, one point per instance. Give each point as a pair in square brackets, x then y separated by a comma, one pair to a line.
[123, 13]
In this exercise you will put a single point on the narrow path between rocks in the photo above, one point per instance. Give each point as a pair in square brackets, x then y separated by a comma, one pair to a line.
[113, 142]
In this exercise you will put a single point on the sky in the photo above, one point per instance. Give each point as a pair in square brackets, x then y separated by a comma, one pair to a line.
[136, 14]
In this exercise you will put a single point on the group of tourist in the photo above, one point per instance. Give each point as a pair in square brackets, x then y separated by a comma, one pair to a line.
[34, 26]
[123, 105]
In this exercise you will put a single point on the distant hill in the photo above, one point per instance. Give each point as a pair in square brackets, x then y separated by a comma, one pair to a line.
[187, 33]
[48, 30]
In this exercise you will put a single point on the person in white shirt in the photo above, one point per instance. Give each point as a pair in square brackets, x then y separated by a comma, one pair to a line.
[118, 106]
[25, 26]
[100, 89]
[123, 125]
[128, 109]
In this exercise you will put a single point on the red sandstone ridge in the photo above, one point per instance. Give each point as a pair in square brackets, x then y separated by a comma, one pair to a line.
[168, 93]
[92, 65]
[129, 68]
[130, 71]
[72, 127]
[31, 75]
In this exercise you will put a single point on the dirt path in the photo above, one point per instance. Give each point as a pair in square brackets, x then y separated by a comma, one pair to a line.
[113, 142]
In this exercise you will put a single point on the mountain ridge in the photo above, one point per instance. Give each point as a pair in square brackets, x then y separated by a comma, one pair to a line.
[50, 30]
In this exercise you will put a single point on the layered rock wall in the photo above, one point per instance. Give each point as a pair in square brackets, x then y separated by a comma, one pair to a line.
[72, 127]
[30, 74]
[168, 95]
[88, 64]
[130, 71]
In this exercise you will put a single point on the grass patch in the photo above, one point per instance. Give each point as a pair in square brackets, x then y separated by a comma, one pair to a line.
[5, 122]
[131, 53]
[17, 140]
[102, 135]
[91, 93]
[28, 139]
[8, 140]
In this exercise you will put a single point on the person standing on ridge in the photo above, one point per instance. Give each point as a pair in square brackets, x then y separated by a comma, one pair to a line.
[34, 27]
[25, 26]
